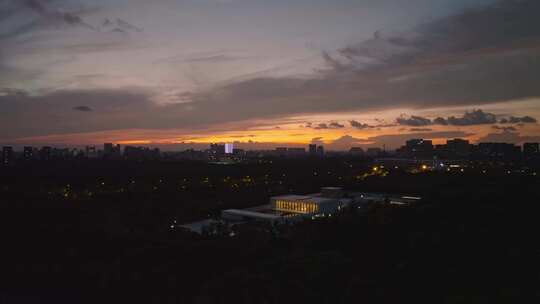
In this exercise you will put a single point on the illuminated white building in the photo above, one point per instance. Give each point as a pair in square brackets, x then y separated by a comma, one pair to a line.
[293, 207]
[229, 148]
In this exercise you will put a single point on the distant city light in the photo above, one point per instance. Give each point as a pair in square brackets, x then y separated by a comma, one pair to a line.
[229, 148]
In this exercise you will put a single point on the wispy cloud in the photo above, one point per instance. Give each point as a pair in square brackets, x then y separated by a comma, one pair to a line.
[83, 109]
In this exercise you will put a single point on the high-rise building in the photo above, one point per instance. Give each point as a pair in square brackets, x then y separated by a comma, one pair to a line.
[45, 153]
[217, 149]
[374, 152]
[356, 150]
[229, 148]
[417, 148]
[28, 153]
[499, 150]
[111, 151]
[108, 148]
[238, 152]
[296, 152]
[91, 152]
[282, 151]
[141, 153]
[531, 149]
[458, 147]
[312, 149]
[7, 155]
[320, 151]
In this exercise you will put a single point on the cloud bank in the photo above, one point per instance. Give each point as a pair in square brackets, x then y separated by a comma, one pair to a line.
[481, 56]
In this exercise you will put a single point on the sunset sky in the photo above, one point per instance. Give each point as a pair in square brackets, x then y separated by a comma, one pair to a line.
[267, 73]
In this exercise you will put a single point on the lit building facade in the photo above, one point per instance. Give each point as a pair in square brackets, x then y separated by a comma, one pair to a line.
[329, 201]
[304, 207]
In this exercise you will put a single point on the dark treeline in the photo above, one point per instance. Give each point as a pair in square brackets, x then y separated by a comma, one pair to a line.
[87, 232]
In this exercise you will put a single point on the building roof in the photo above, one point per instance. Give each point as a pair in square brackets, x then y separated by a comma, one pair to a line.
[251, 214]
[292, 197]
[331, 188]
[198, 226]
[311, 198]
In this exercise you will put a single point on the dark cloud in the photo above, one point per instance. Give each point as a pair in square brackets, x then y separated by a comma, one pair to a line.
[323, 126]
[518, 120]
[335, 64]
[476, 117]
[440, 121]
[414, 121]
[126, 26]
[470, 59]
[317, 141]
[37, 15]
[120, 26]
[420, 130]
[492, 26]
[117, 30]
[336, 125]
[509, 137]
[360, 126]
[35, 5]
[344, 143]
[48, 15]
[505, 129]
[83, 109]
[67, 17]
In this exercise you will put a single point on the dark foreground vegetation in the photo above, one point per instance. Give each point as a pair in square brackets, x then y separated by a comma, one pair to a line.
[100, 233]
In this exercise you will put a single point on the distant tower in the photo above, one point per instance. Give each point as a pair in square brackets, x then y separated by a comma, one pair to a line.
[320, 151]
[531, 150]
[7, 155]
[91, 152]
[108, 149]
[45, 153]
[28, 153]
[217, 149]
[313, 150]
[229, 148]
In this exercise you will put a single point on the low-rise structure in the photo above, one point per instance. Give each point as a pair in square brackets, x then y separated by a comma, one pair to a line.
[291, 208]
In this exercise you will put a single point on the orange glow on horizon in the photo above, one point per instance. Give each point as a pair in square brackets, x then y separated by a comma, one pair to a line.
[291, 131]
